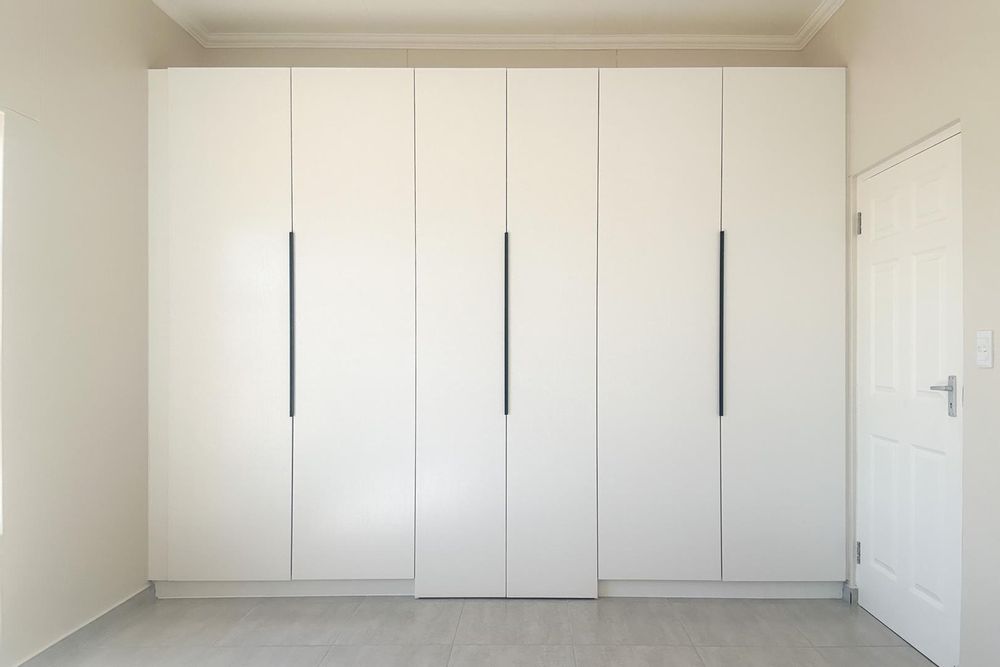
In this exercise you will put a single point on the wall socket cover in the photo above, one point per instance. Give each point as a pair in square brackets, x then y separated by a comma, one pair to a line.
[984, 349]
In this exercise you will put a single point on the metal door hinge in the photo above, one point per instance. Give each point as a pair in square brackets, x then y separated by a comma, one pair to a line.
[857, 553]
[859, 223]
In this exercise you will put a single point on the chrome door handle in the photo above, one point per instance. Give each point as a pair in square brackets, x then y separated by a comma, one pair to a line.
[951, 388]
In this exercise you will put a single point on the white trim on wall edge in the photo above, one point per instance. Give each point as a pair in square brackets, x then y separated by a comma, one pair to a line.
[268, 589]
[499, 41]
[722, 589]
[914, 149]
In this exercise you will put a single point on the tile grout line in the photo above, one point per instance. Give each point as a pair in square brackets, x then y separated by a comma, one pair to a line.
[454, 636]
[680, 619]
[698, 654]
[357, 607]
[329, 649]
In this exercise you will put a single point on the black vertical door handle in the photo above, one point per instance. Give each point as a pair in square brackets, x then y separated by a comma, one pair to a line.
[506, 323]
[291, 324]
[722, 323]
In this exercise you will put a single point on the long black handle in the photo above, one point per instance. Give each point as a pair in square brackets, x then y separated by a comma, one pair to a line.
[291, 324]
[722, 323]
[506, 323]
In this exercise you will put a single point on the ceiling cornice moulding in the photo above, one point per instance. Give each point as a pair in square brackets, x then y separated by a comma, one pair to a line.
[181, 17]
[223, 40]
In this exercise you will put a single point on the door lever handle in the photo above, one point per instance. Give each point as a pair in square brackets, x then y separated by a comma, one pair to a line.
[951, 388]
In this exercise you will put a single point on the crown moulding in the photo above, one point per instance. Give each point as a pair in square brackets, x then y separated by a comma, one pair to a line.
[499, 41]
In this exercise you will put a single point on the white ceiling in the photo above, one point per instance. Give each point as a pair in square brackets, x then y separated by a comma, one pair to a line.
[759, 24]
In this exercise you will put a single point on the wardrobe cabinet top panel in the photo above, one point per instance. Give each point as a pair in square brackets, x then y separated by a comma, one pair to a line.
[606, 69]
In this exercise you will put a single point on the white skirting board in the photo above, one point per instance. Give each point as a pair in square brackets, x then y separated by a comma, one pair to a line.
[277, 589]
[722, 589]
[404, 587]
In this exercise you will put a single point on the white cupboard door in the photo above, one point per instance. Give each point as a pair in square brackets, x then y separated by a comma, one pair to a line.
[229, 431]
[909, 446]
[551, 426]
[461, 206]
[658, 436]
[354, 261]
[783, 433]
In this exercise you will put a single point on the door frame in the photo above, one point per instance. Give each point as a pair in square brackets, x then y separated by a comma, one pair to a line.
[853, 322]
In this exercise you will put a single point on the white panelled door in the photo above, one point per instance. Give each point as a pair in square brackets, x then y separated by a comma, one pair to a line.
[355, 319]
[658, 326]
[909, 447]
[461, 207]
[551, 426]
[227, 426]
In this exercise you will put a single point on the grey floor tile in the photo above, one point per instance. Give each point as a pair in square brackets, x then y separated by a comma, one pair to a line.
[402, 621]
[502, 622]
[643, 632]
[760, 656]
[293, 622]
[893, 656]
[738, 623]
[99, 631]
[79, 646]
[836, 623]
[181, 623]
[512, 656]
[636, 621]
[67, 652]
[263, 656]
[388, 656]
[121, 656]
[637, 656]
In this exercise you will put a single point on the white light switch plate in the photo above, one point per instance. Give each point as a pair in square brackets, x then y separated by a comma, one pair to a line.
[984, 349]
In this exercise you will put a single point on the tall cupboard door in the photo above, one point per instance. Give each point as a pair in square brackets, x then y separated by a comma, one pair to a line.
[228, 429]
[461, 207]
[658, 356]
[551, 426]
[355, 319]
[784, 200]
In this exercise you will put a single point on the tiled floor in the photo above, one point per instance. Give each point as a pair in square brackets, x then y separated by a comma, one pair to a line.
[384, 632]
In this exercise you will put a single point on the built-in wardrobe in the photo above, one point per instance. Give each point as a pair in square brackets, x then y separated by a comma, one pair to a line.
[497, 333]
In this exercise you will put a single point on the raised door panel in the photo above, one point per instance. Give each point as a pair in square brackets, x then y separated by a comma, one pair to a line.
[551, 427]
[461, 207]
[784, 446]
[355, 323]
[658, 426]
[228, 429]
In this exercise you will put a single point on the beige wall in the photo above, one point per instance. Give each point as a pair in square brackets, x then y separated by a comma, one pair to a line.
[493, 58]
[73, 88]
[915, 66]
